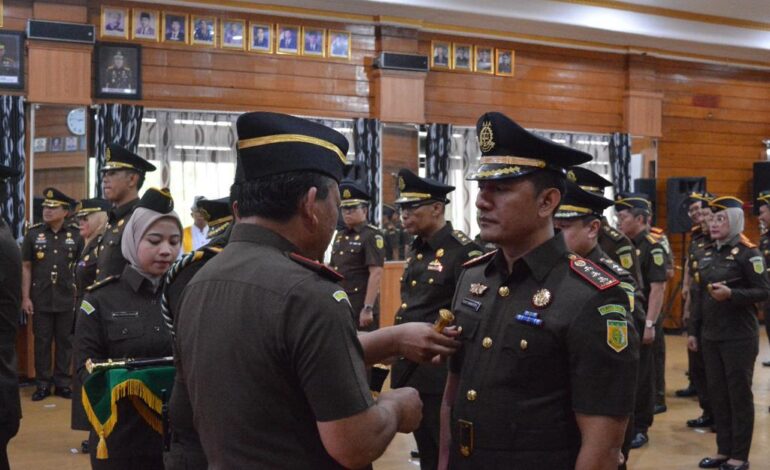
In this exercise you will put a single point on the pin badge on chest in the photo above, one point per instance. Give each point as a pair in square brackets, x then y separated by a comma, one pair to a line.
[478, 289]
[542, 298]
[121, 222]
[435, 265]
[440, 253]
[735, 251]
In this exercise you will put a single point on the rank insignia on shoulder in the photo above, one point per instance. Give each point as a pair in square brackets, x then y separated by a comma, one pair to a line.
[341, 295]
[478, 289]
[593, 274]
[461, 237]
[379, 242]
[103, 282]
[86, 307]
[612, 308]
[321, 269]
[614, 266]
[475, 253]
[617, 335]
[614, 234]
[480, 259]
[746, 242]
[758, 263]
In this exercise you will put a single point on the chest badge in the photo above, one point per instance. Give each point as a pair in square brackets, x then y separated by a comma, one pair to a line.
[40, 255]
[478, 289]
[440, 253]
[435, 265]
[735, 251]
[121, 222]
[542, 298]
[357, 237]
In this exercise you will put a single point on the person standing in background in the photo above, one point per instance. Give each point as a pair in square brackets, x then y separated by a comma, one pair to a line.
[196, 235]
[763, 201]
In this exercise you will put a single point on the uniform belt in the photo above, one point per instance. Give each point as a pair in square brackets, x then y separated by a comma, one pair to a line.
[470, 436]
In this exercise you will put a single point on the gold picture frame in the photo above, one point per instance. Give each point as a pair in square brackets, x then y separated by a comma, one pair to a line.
[205, 34]
[313, 42]
[441, 55]
[338, 45]
[289, 45]
[141, 31]
[505, 60]
[263, 44]
[114, 22]
[483, 59]
[171, 35]
[462, 57]
[233, 38]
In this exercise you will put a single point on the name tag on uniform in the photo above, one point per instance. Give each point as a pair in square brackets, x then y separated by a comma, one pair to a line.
[125, 314]
[474, 304]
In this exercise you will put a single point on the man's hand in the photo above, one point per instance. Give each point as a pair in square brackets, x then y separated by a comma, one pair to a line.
[366, 317]
[27, 307]
[720, 292]
[419, 342]
[409, 406]
[649, 335]
[692, 343]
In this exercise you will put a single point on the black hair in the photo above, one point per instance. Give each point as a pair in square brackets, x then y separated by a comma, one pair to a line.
[637, 211]
[140, 181]
[144, 14]
[277, 197]
[547, 179]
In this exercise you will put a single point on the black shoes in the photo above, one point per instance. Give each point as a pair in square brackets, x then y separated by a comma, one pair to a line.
[41, 393]
[727, 466]
[766, 363]
[708, 462]
[660, 409]
[84, 447]
[700, 422]
[639, 440]
[64, 392]
[415, 454]
[687, 392]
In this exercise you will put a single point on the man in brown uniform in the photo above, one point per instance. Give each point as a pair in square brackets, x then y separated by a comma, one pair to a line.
[547, 366]
[764, 247]
[433, 266]
[265, 323]
[49, 253]
[358, 253]
[123, 176]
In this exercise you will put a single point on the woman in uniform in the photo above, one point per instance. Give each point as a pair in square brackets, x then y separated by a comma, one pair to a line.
[732, 279]
[92, 217]
[120, 317]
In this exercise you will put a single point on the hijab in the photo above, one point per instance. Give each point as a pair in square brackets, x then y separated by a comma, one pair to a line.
[736, 221]
[141, 220]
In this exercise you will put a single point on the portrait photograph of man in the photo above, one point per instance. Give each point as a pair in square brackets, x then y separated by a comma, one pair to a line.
[439, 55]
[288, 37]
[175, 27]
[11, 57]
[463, 57]
[118, 71]
[114, 22]
[484, 62]
[313, 41]
[504, 62]
[204, 30]
[145, 24]
[261, 37]
[339, 44]
[234, 34]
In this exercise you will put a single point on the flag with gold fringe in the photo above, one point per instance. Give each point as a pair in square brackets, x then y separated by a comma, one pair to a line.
[104, 388]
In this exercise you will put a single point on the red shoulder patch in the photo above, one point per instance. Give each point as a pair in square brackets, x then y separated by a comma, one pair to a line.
[479, 259]
[592, 273]
[746, 242]
[320, 268]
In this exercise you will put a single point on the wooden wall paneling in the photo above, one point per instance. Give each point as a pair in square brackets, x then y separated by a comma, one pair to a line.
[67, 180]
[59, 11]
[59, 73]
[399, 150]
[15, 14]
[390, 292]
[399, 96]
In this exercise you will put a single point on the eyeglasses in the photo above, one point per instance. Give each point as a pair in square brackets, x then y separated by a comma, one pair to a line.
[720, 219]
[413, 207]
[351, 208]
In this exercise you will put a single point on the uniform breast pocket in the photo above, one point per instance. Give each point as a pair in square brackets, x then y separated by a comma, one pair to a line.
[532, 355]
[127, 326]
[432, 277]
[469, 324]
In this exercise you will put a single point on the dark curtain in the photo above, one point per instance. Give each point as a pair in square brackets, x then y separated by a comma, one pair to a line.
[620, 159]
[115, 124]
[12, 154]
[438, 146]
[366, 142]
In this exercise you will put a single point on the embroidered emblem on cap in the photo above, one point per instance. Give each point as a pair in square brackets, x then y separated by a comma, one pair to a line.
[401, 183]
[346, 194]
[49, 193]
[108, 154]
[571, 176]
[486, 137]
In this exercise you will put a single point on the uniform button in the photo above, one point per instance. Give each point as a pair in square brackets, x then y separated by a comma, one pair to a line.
[430, 281]
[503, 291]
[97, 270]
[419, 255]
[54, 266]
[342, 252]
[414, 283]
[124, 331]
[157, 328]
[403, 306]
[336, 268]
[523, 344]
[401, 279]
[55, 251]
[486, 342]
[471, 395]
[355, 290]
[55, 237]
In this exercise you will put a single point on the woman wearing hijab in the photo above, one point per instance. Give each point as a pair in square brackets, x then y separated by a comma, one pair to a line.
[92, 218]
[120, 318]
[732, 279]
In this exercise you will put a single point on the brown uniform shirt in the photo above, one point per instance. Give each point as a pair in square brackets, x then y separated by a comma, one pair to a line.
[111, 261]
[652, 260]
[620, 248]
[353, 251]
[268, 348]
[10, 309]
[53, 256]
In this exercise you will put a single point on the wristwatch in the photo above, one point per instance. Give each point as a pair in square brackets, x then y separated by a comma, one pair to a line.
[368, 307]
[649, 324]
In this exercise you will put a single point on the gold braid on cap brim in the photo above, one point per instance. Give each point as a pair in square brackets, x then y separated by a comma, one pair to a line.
[569, 208]
[511, 160]
[55, 202]
[353, 202]
[289, 138]
[113, 165]
[594, 189]
[87, 211]
[624, 202]
[764, 198]
[220, 220]
[415, 195]
[715, 202]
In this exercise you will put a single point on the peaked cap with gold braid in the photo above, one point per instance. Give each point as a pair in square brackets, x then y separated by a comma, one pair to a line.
[353, 194]
[725, 202]
[626, 201]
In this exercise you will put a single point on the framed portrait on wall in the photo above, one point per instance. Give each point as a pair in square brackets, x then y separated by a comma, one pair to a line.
[175, 27]
[204, 30]
[118, 71]
[484, 60]
[439, 55]
[144, 25]
[234, 34]
[339, 45]
[71, 143]
[12, 59]
[40, 144]
[462, 57]
[261, 37]
[287, 39]
[313, 41]
[57, 144]
[504, 62]
[114, 22]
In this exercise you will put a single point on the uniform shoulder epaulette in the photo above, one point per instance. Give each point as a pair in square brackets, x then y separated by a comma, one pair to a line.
[39, 224]
[373, 227]
[612, 233]
[320, 268]
[696, 228]
[479, 259]
[461, 237]
[592, 273]
[615, 267]
[102, 283]
[746, 242]
[657, 231]
[653, 239]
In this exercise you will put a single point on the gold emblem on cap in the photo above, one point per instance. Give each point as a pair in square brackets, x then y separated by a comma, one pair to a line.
[571, 176]
[542, 298]
[346, 194]
[49, 193]
[735, 251]
[401, 183]
[486, 137]
[108, 154]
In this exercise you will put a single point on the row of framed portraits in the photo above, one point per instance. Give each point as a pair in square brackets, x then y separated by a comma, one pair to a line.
[445, 55]
[209, 31]
[60, 144]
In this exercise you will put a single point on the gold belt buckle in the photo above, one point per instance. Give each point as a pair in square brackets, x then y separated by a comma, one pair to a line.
[466, 437]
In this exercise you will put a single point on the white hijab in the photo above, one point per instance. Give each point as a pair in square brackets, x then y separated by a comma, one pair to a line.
[735, 219]
[141, 220]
